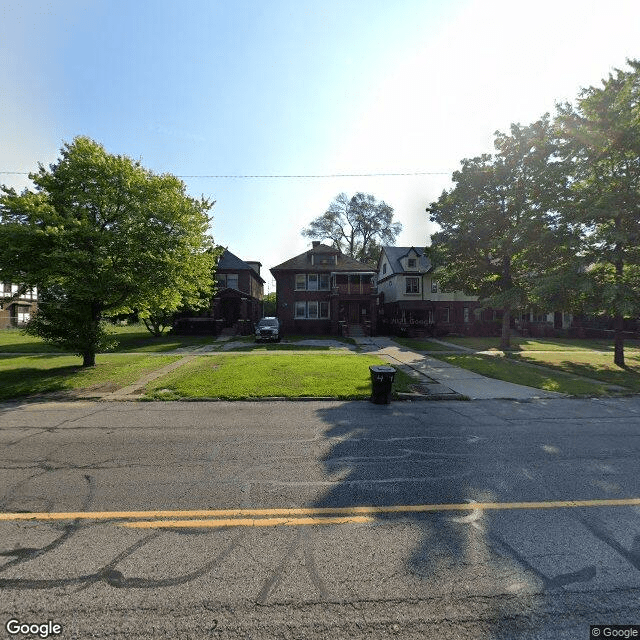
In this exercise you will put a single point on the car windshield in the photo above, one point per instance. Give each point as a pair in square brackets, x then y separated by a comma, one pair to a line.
[268, 322]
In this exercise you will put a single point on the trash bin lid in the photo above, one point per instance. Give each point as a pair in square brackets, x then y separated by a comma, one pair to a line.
[381, 369]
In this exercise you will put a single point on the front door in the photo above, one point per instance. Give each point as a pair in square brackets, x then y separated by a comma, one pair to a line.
[354, 313]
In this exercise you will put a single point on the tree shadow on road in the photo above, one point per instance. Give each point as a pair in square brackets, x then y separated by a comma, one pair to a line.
[410, 454]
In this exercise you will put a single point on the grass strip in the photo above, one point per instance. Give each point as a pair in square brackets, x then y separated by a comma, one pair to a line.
[22, 376]
[540, 344]
[245, 376]
[598, 366]
[422, 345]
[509, 370]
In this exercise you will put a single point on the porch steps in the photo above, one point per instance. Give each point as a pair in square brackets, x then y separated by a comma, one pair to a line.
[356, 331]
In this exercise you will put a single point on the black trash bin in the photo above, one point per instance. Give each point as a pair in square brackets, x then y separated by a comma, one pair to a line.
[381, 383]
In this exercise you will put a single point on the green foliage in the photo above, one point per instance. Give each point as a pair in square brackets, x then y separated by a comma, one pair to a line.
[358, 226]
[102, 235]
[269, 302]
[500, 219]
[600, 137]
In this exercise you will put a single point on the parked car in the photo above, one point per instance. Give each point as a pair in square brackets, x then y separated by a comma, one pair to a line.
[268, 329]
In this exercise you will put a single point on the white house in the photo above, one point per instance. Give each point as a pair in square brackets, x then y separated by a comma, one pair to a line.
[409, 293]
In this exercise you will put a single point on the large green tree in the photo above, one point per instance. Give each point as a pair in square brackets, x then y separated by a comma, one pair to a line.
[102, 235]
[600, 138]
[500, 220]
[356, 225]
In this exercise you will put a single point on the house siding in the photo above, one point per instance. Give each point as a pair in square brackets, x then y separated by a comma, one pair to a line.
[16, 312]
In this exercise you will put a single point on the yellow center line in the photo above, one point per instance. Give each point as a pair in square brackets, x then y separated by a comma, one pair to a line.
[245, 522]
[312, 511]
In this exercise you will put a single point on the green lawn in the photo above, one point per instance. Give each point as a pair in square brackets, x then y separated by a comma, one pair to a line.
[422, 344]
[15, 341]
[131, 338]
[235, 376]
[299, 337]
[136, 339]
[27, 375]
[540, 344]
[503, 368]
[278, 346]
[598, 366]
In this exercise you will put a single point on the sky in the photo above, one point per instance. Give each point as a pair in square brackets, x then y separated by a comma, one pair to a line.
[206, 88]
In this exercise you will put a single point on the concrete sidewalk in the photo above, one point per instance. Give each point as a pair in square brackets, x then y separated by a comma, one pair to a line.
[447, 376]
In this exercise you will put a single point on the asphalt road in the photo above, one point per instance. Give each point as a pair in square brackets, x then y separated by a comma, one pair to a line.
[247, 520]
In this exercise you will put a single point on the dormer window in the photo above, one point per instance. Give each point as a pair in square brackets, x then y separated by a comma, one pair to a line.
[411, 263]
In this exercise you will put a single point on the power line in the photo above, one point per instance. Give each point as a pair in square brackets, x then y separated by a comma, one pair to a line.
[300, 176]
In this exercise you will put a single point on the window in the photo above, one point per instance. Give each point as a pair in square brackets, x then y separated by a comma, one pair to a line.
[23, 315]
[312, 310]
[413, 285]
[445, 314]
[312, 282]
[466, 314]
[221, 279]
[411, 262]
[301, 282]
[384, 268]
[434, 286]
[232, 280]
[323, 282]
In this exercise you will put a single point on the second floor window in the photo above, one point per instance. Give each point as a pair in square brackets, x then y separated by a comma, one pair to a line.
[312, 282]
[413, 285]
[434, 286]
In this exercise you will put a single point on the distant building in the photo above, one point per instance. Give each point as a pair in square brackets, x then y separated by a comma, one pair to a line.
[16, 306]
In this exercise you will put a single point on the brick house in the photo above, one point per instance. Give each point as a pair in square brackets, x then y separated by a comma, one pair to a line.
[323, 291]
[16, 307]
[237, 305]
[240, 292]
[411, 299]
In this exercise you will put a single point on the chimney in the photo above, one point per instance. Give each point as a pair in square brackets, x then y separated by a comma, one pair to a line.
[255, 265]
[315, 243]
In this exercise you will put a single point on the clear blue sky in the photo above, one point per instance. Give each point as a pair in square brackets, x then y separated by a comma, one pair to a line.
[241, 87]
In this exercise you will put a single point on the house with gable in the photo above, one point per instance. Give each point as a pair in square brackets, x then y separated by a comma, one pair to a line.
[238, 301]
[237, 304]
[323, 291]
[17, 305]
[410, 296]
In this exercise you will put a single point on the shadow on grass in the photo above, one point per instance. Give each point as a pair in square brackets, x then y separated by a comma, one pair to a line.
[26, 381]
[628, 377]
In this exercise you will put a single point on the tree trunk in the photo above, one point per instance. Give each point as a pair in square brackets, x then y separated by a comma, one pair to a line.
[89, 353]
[618, 350]
[618, 322]
[505, 336]
[89, 359]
